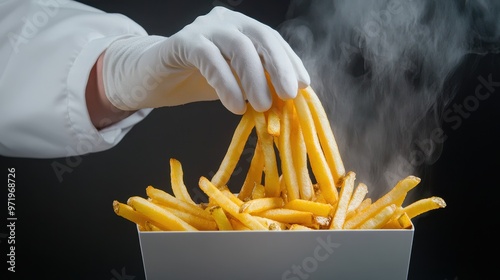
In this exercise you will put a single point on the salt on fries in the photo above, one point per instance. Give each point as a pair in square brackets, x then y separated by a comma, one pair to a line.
[294, 139]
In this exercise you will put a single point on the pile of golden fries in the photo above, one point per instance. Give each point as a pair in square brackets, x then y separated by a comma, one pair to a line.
[296, 181]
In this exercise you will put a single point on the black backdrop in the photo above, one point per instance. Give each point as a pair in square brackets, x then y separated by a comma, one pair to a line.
[66, 228]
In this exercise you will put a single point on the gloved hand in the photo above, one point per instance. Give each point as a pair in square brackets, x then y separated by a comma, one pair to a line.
[222, 55]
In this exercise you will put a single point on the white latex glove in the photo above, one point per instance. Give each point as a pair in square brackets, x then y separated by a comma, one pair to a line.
[222, 55]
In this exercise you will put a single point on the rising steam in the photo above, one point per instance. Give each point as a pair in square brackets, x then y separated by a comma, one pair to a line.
[383, 69]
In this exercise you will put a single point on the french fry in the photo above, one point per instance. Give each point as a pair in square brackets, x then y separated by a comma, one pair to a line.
[233, 197]
[259, 191]
[299, 227]
[364, 204]
[159, 215]
[323, 222]
[401, 188]
[168, 200]
[254, 174]
[299, 153]
[220, 218]
[318, 196]
[317, 158]
[379, 219]
[273, 122]
[317, 208]
[150, 226]
[237, 225]
[271, 224]
[399, 202]
[228, 205]
[423, 205]
[401, 221]
[344, 199]
[261, 204]
[285, 150]
[357, 197]
[233, 154]
[126, 211]
[284, 195]
[274, 226]
[288, 216]
[325, 132]
[271, 177]
[196, 221]
[177, 181]
[405, 221]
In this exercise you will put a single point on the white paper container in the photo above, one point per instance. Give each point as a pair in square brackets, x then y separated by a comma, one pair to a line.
[287, 255]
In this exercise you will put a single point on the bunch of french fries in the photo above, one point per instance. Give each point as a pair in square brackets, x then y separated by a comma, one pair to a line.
[296, 181]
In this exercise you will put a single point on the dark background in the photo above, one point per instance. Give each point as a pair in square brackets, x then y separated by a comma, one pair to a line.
[66, 228]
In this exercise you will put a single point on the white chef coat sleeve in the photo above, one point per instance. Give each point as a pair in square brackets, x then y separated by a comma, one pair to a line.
[45, 61]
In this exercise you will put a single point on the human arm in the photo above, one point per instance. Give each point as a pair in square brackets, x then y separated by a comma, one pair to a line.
[102, 112]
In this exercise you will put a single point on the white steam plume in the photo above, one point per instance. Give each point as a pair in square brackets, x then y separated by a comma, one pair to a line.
[383, 69]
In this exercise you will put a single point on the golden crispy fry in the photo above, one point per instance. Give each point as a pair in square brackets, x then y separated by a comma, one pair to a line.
[233, 197]
[233, 154]
[283, 195]
[363, 205]
[299, 227]
[261, 204]
[196, 221]
[405, 221]
[273, 122]
[318, 196]
[323, 222]
[254, 174]
[237, 225]
[424, 205]
[259, 191]
[399, 202]
[379, 219]
[126, 211]
[318, 162]
[228, 205]
[401, 221]
[177, 181]
[274, 226]
[401, 188]
[299, 153]
[271, 177]
[150, 226]
[317, 208]
[357, 197]
[344, 199]
[159, 215]
[167, 199]
[220, 218]
[271, 224]
[285, 150]
[325, 133]
[288, 216]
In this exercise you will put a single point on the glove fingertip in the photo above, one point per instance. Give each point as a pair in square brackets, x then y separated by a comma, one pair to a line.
[237, 108]
[287, 88]
[304, 80]
[262, 105]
